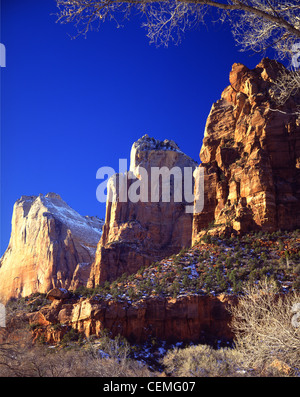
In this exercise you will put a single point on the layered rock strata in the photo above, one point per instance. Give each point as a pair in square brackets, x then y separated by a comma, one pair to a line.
[142, 228]
[51, 245]
[251, 155]
[192, 318]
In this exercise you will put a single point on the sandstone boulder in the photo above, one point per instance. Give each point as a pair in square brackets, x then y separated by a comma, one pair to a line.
[58, 294]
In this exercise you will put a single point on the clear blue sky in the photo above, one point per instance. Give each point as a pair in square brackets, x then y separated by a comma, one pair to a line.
[69, 107]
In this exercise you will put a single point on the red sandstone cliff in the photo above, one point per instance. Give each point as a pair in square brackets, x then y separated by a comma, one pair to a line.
[135, 234]
[251, 155]
[189, 318]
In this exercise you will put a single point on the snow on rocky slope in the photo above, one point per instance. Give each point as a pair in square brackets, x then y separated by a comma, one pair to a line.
[51, 245]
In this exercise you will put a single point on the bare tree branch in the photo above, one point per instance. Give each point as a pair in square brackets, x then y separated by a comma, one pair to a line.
[182, 13]
[257, 25]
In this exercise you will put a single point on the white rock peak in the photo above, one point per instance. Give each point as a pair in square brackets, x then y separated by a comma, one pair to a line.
[49, 243]
[148, 151]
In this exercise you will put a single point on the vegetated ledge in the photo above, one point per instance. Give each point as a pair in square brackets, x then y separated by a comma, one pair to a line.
[182, 298]
[214, 265]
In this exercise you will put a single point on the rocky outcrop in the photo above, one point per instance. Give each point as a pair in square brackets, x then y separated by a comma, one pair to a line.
[251, 156]
[137, 233]
[192, 318]
[51, 245]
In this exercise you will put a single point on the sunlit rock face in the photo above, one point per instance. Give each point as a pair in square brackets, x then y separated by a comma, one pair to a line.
[251, 155]
[51, 245]
[136, 234]
[195, 318]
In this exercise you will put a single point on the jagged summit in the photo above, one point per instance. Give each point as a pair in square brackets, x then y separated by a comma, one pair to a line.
[53, 195]
[54, 206]
[149, 152]
[148, 143]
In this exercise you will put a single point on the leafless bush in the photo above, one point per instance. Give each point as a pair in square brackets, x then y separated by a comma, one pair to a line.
[32, 361]
[203, 361]
[111, 358]
[264, 330]
[41, 361]
[267, 339]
